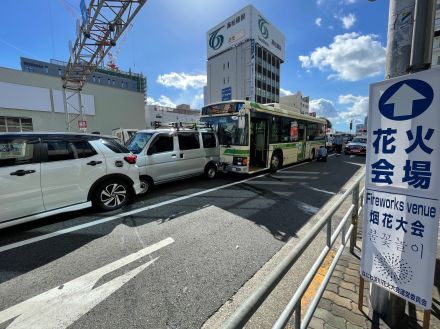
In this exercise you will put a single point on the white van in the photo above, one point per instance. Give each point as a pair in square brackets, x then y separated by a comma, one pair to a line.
[167, 154]
[124, 135]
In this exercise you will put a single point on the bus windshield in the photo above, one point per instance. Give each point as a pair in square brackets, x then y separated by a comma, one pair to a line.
[231, 130]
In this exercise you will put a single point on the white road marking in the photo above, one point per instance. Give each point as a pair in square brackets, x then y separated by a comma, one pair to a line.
[319, 190]
[356, 164]
[258, 182]
[294, 177]
[61, 306]
[305, 207]
[129, 213]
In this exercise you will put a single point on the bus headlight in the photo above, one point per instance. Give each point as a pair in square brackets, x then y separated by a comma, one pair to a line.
[240, 161]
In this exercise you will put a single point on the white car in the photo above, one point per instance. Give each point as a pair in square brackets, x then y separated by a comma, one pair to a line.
[43, 174]
[167, 154]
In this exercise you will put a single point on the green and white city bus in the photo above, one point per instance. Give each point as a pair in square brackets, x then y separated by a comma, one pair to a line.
[255, 137]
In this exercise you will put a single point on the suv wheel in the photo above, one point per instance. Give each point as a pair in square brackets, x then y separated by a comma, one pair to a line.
[146, 185]
[211, 171]
[112, 194]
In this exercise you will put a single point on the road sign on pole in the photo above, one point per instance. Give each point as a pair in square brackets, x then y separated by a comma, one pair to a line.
[82, 124]
[402, 188]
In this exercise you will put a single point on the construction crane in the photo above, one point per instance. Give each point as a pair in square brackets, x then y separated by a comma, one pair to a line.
[112, 56]
[103, 22]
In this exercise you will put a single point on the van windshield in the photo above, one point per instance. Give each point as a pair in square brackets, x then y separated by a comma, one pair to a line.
[137, 143]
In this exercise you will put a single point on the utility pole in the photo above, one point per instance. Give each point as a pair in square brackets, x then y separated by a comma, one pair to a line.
[409, 49]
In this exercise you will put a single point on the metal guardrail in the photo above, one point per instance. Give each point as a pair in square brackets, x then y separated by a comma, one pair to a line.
[250, 306]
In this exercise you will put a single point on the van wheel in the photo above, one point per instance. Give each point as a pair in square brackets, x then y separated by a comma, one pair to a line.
[111, 194]
[275, 162]
[211, 171]
[146, 185]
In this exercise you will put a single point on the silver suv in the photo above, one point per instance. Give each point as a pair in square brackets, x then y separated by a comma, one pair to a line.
[167, 154]
[43, 174]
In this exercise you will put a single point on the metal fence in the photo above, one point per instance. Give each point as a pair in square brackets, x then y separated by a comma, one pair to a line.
[348, 235]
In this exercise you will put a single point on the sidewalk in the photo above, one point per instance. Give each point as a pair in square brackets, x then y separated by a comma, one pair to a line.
[338, 307]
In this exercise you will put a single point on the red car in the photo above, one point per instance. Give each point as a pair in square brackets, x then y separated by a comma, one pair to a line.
[357, 146]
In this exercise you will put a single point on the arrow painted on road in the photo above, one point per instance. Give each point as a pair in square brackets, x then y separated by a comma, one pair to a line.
[403, 100]
[63, 305]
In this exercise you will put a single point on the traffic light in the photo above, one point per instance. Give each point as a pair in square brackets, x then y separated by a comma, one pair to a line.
[351, 125]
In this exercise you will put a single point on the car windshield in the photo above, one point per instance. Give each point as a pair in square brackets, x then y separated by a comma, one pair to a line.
[359, 140]
[231, 130]
[137, 143]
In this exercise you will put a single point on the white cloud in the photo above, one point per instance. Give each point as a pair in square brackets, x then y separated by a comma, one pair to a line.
[324, 108]
[197, 101]
[285, 92]
[348, 21]
[162, 101]
[358, 106]
[351, 56]
[318, 21]
[182, 80]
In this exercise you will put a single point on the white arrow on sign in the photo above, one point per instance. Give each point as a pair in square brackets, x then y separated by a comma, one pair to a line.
[403, 100]
[63, 305]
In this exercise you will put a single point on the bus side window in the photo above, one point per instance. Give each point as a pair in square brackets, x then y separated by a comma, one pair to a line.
[300, 131]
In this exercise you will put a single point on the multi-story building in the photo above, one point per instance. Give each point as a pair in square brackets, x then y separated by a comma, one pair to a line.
[32, 100]
[436, 42]
[182, 113]
[297, 101]
[245, 53]
[104, 77]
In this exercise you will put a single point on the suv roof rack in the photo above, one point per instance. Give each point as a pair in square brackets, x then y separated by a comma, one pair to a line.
[182, 125]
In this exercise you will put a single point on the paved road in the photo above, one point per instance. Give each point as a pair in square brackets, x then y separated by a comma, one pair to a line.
[169, 260]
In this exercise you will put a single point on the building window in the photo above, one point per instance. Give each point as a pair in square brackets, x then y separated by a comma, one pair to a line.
[46, 69]
[99, 79]
[13, 124]
[94, 79]
[108, 81]
[228, 64]
[59, 72]
[113, 82]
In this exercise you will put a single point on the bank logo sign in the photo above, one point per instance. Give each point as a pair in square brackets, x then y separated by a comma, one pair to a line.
[262, 24]
[215, 39]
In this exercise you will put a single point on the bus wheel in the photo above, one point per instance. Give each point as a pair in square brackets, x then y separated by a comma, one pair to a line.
[275, 162]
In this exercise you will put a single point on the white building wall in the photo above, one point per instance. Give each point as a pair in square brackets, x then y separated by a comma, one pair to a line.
[231, 69]
[297, 101]
[167, 114]
[436, 42]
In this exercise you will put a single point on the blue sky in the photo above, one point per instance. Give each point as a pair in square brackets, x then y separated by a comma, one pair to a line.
[334, 48]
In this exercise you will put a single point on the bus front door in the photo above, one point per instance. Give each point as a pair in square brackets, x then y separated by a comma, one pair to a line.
[258, 147]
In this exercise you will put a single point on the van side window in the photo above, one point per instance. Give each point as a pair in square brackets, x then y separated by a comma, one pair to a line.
[14, 152]
[188, 141]
[163, 143]
[208, 140]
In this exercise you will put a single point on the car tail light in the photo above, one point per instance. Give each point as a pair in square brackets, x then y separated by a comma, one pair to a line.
[131, 159]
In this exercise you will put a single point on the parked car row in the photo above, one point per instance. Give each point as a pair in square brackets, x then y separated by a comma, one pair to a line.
[43, 174]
